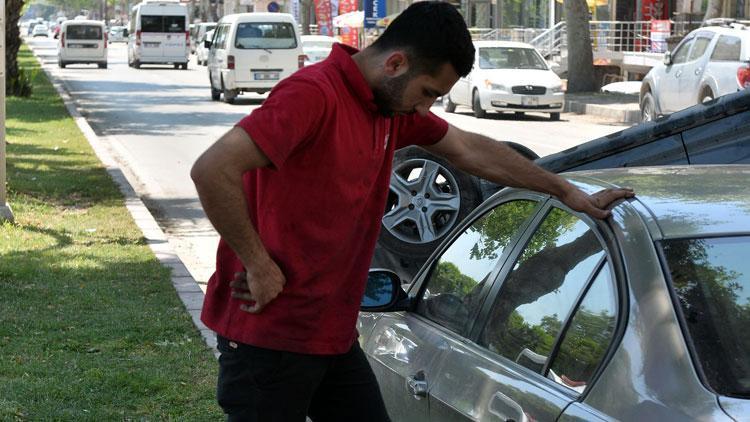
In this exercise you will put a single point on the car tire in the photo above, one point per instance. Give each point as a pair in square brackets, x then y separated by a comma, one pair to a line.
[519, 114]
[479, 112]
[176, 65]
[137, 64]
[554, 117]
[648, 108]
[102, 65]
[215, 93]
[61, 64]
[448, 105]
[229, 94]
[400, 227]
[185, 66]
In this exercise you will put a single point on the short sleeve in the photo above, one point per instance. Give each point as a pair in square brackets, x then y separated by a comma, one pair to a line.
[415, 129]
[288, 117]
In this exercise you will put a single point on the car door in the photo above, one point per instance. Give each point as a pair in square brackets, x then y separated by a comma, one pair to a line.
[690, 82]
[668, 91]
[405, 349]
[531, 353]
[461, 91]
[215, 54]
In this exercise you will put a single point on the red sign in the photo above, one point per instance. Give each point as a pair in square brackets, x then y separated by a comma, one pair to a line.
[323, 15]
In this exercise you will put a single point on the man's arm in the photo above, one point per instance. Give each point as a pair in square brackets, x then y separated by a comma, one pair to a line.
[217, 175]
[497, 162]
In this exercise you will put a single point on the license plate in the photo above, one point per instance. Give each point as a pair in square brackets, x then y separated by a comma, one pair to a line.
[266, 76]
[529, 101]
[151, 44]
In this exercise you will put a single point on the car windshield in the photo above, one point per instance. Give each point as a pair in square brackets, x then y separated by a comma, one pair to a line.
[711, 278]
[510, 58]
[262, 35]
[84, 32]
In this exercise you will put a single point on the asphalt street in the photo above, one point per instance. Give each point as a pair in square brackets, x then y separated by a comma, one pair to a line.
[157, 120]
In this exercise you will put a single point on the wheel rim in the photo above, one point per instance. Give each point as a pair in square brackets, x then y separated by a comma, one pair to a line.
[423, 203]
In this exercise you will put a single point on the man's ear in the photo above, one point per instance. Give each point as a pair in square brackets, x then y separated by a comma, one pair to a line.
[396, 63]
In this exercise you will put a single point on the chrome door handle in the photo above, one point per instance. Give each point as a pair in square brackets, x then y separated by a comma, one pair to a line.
[417, 385]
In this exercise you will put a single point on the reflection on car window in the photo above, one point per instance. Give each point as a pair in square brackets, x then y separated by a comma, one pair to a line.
[701, 44]
[727, 49]
[452, 296]
[541, 290]
[588, 335]
[510, 58]
[84, 32]
[712, 280]
[680, 55]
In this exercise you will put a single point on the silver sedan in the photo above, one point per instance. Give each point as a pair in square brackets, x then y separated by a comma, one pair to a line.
[531, 312]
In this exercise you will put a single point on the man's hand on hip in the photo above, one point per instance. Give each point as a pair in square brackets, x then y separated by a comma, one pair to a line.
[260, 285]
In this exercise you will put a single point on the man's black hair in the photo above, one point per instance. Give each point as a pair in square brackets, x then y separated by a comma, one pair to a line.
[432, 33]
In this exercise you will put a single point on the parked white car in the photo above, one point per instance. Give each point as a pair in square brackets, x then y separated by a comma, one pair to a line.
[317, 47]
[508, 76]
[201, 52]
[708, 63]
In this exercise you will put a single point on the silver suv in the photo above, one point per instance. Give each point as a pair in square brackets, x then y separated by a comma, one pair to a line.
[709, 62]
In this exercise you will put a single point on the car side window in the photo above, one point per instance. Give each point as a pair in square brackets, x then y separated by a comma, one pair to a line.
[699, 48]
[541, 290]
[453, 291]
[221, 36]
[727, 49]
[588, 335]
[681, 53]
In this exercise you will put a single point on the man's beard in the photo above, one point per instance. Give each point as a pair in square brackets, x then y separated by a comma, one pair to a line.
[389, 95]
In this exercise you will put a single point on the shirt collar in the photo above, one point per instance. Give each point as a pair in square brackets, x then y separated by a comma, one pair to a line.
[341, 55]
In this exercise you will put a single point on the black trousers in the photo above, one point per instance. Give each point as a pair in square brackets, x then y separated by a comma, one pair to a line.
[257, 384]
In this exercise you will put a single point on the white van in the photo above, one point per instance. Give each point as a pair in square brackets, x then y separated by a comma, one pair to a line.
[252, 52]
[159, 34]
[82, 41]
[197, 32]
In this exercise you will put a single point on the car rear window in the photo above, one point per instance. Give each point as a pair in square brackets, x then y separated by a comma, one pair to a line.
[254, 35]
[154, 23]
[84, 32]
[711, 278]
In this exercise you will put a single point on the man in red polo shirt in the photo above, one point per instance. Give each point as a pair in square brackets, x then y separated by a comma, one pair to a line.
[297, 191]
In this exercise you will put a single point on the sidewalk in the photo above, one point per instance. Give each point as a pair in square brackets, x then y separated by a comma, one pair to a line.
[621, 108]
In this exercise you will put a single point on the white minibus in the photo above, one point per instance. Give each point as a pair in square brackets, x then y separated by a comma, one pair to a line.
[159, 34]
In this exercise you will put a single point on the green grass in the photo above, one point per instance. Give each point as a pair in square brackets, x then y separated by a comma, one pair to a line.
[90, 325]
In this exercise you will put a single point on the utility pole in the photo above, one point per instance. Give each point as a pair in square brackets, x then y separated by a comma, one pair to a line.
[5, 212]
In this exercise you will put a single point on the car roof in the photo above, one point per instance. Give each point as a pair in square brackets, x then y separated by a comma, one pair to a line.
[737, 30]
[258, 17]
[511, 44]
[682, 201]
[318, 38]
[82, 22]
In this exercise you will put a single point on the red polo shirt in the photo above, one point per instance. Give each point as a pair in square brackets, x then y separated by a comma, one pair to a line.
[318, 210]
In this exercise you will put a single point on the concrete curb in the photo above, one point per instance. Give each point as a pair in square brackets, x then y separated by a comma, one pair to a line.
[618, 113]
[187, 288]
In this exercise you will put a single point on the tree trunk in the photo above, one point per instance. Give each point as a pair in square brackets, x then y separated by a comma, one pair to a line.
[304, 15]
[713, 10]
[580, 54]
[12, 38]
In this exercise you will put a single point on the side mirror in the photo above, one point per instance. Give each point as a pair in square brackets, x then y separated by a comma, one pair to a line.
[207, 44]
[667, 58]
[383, 292]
